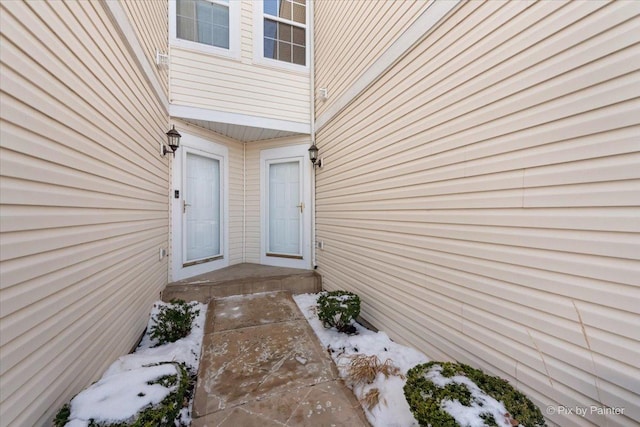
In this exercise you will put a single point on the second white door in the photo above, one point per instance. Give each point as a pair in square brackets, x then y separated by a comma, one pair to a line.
[286, 207]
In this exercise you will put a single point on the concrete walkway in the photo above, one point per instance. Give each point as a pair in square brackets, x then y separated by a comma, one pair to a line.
[262, 365]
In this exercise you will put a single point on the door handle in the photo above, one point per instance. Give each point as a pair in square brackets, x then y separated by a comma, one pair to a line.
[184, 206]
[301, 206]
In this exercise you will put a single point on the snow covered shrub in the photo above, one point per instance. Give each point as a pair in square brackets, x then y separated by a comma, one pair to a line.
[337, 309]
[153, 396]
[173, 321]
[446, 394]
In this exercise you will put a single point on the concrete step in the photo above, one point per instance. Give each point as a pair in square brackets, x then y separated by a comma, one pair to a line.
[243, 279]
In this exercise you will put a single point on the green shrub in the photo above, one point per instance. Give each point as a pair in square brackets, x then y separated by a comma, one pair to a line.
[173, 321]
[338, 309]
[425, 397]
[164, 414]
[62, 417]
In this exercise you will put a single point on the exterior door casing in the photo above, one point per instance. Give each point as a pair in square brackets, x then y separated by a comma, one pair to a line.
[194, 146]
[284, 160]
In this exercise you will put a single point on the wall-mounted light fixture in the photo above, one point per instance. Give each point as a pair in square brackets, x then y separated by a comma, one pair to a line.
[173, 140]
[313, 155]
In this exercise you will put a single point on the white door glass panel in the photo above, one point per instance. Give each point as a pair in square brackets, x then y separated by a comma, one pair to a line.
[284, 209]
[202, 208]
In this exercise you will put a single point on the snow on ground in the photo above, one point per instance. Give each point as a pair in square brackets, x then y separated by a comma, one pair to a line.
[393, 409]
[124, 388]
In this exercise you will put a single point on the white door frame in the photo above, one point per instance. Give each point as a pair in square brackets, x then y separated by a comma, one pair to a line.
[197, 145]
[277, 155]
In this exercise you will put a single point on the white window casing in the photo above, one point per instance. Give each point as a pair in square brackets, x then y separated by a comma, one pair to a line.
[234, 30]
[258, 37]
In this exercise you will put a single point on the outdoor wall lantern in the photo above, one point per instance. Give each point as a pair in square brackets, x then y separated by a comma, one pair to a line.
[313, 155]
[173, 140]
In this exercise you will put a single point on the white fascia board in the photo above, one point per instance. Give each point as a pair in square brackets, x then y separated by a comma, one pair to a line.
[119, 17]
[412, 35]
[194, 113]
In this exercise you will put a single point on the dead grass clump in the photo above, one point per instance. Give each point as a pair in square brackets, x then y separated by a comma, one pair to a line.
[371, 399]
[365, 369]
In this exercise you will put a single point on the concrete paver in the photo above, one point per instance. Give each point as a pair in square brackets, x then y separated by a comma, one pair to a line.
[262, 365]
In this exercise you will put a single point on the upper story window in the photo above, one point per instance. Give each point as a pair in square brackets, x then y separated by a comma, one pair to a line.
[207, 25]
[203, 21]
[285, 30]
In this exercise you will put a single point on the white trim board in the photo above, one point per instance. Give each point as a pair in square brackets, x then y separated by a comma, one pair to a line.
[234, 51]
[196, 144]
[300, 152]
[119, 17]
[195, 113]
[413, 35]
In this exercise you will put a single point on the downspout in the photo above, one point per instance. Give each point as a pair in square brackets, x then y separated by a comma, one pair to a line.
[244, 202]
[312, 129]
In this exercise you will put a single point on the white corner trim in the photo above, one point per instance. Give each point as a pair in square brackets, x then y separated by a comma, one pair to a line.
[195, 113]
[119, 17]
[411, 36]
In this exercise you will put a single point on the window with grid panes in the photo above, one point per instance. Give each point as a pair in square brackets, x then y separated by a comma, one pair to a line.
[203, 21]
[285, 27]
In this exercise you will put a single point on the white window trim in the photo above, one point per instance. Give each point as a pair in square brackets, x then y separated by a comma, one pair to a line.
[196, 143]
[234, 33]
[258, 44]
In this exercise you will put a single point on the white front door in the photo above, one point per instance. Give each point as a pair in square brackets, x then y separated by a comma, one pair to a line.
[199, 208]
[286, 207]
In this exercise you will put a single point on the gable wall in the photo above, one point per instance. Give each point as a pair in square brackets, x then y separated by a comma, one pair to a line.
[84, 202]
[482, 198]
[149, 20]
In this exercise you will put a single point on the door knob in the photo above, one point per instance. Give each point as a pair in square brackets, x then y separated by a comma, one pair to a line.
[301, 206]
[184, 206]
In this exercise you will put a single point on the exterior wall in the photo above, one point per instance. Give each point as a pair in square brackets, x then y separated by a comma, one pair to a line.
[149, 19]
[482, 198]
[252, 210]
[237, 85]
[236, 186]
[354, 34]
[83, 200]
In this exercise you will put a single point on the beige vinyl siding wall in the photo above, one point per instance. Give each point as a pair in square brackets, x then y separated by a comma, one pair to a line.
[360, 32]
[236, 185]
[238, 86]
[149, 19]
[84, 203]
[253, 224]
[483, 198]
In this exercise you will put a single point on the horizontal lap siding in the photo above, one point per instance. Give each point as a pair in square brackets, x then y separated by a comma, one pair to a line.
[483, 198]
[84, 203]
[354, 35]
[149, 19]
[238, 85]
